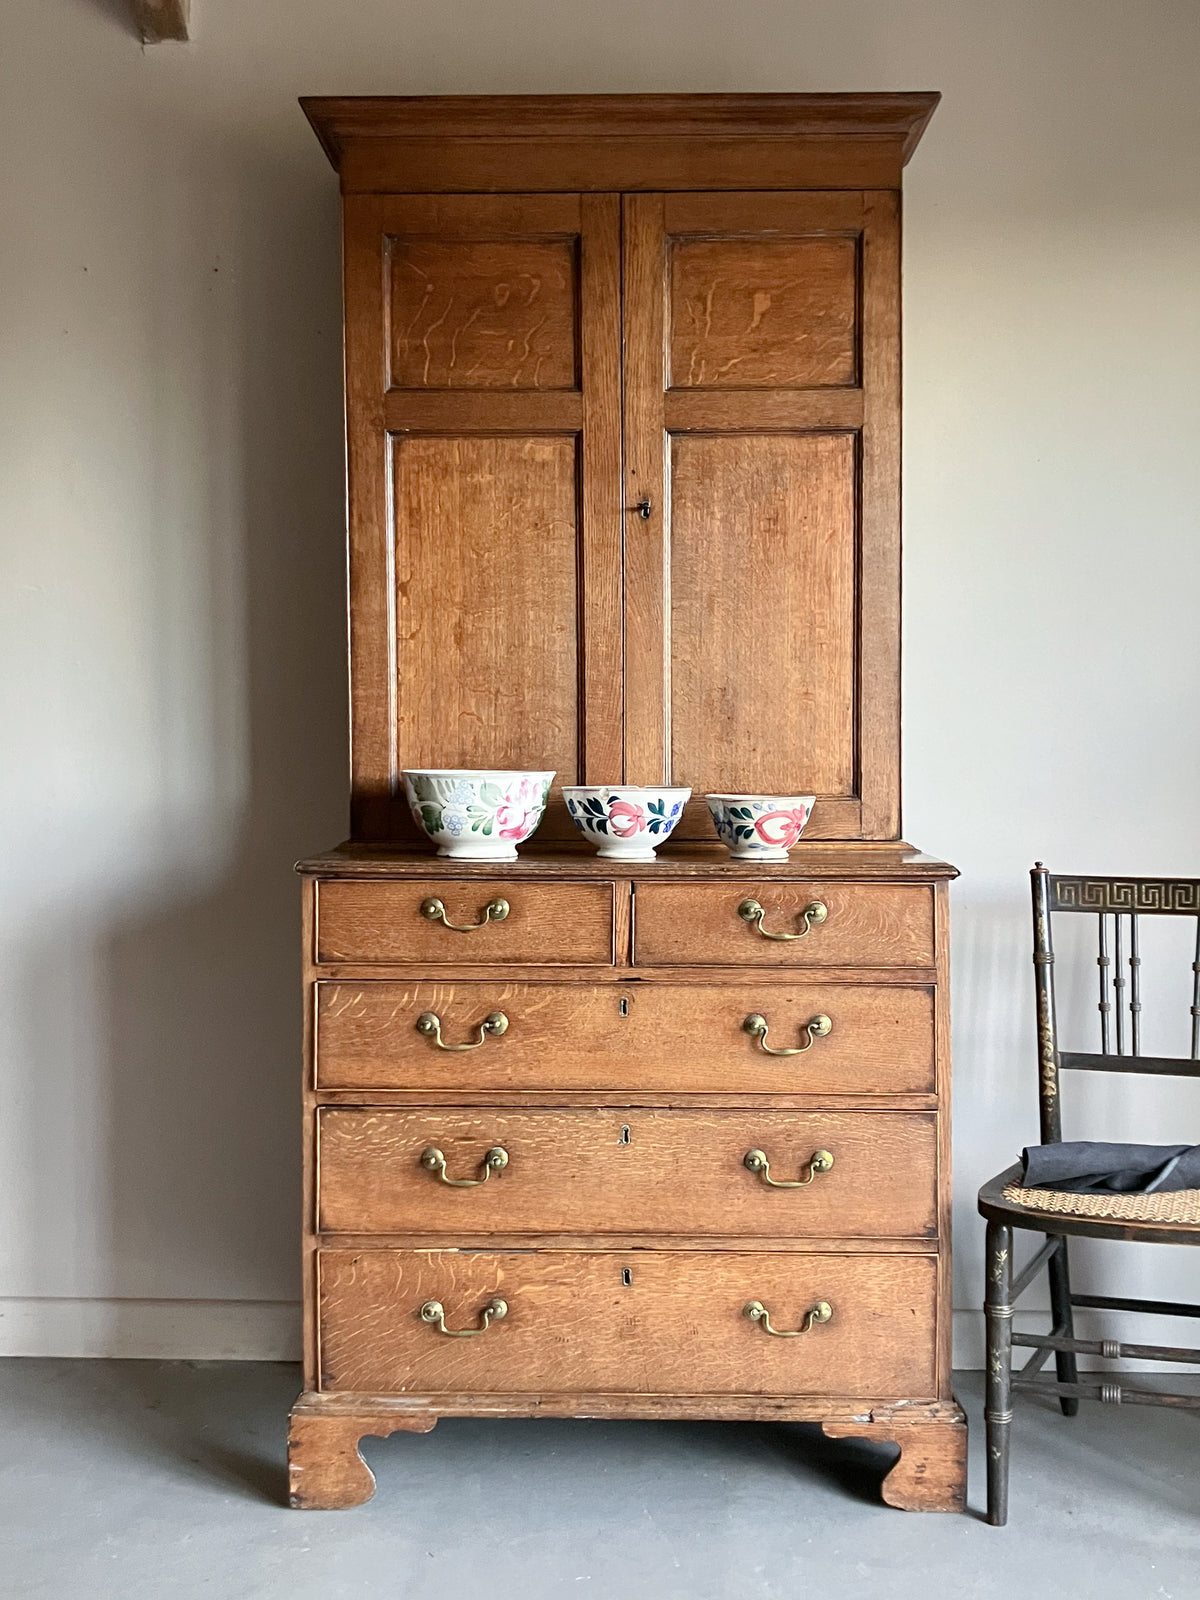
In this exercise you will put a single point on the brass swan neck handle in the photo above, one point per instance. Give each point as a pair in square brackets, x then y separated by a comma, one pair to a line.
[757, 1312]
[756, 1161]
[434, 1313]
[434, 910]
[818, 1027]
[434, 1161]
[429, 1026]
[813, 915]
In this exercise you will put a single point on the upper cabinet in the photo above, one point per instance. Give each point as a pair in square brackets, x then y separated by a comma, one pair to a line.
[623, 444]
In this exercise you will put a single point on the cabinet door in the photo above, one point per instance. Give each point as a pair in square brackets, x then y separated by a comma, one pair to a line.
[483, 418]
[762, 428]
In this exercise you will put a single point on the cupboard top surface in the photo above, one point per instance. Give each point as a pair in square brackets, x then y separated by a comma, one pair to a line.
[864, 861]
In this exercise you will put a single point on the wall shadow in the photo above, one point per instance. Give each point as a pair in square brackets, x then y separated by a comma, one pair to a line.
[198, 981]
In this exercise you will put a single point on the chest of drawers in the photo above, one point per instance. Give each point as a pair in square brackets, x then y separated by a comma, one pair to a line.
[557, 1166]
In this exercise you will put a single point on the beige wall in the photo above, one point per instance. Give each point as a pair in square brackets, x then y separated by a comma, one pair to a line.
[171, 515]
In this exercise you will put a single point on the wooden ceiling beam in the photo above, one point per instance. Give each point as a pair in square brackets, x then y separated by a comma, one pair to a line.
[162, 19]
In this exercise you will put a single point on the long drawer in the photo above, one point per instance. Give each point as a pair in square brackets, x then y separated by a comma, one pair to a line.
[764, 924]
[859, 1173]
[636, 1036]
[464, 922]
[642, 1322]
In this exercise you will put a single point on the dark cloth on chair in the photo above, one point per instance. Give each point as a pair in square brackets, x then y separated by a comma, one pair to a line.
[1084, 1167]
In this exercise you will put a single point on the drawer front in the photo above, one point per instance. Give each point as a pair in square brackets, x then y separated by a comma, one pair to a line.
[673, 1171]
[642, 1322]
[637, 1036]
[562, 924]
[865, 925]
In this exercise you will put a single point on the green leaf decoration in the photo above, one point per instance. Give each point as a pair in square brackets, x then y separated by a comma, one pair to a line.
[490, 794]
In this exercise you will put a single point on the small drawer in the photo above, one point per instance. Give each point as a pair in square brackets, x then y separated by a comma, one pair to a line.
[858, 1174]
[645, 1036]
[464, 922]
[636, 1322]
[779, 924]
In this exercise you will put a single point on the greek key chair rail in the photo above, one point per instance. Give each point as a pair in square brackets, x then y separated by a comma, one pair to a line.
[1164, 896]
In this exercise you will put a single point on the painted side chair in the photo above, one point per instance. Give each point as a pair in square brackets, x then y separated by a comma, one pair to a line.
[1170, 1218]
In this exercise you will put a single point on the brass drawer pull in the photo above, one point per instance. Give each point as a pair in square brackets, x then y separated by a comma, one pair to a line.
[818, 1027]
[429, 1026]
[756, 1161]
[813, 915]
[757, 1312]
[434, 1161]
[433, 1313]
[495, 911]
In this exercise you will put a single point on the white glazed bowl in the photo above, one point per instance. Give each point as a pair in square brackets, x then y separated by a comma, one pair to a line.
[759, 827]
[480, 815]
[626, 821]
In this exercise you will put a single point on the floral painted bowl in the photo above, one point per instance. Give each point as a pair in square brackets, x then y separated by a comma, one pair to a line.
[477, 816]
[626, 821]
[759, 827]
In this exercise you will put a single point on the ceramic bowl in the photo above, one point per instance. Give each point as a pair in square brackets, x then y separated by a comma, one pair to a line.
[759, 827]
[477, 816]
[626, 821]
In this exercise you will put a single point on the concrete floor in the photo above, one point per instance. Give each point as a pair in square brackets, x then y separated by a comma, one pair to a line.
[138, 1478]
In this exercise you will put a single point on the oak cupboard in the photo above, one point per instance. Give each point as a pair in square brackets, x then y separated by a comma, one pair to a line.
[623, 403]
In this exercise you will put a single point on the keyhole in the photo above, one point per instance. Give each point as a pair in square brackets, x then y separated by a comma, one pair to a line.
[624, 1133]
[627, 1277]
[623, 1007]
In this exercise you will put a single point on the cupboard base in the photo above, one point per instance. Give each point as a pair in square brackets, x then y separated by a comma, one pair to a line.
[327, 1473]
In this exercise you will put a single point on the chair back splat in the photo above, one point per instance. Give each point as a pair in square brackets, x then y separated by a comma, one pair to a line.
[1116, 903]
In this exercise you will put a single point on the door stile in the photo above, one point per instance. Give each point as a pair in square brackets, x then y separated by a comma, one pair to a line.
[647, 565]
[602, 653]
[879, 513]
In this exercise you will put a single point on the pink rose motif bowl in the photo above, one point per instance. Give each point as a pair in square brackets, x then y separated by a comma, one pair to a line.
[625, 821]
[759, 827]
[477, 815]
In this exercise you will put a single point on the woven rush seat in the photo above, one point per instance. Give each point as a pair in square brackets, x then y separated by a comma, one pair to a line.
[1178, 1205]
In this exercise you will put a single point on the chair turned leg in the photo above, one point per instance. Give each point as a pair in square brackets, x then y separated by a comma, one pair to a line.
[1064, 1323]
[997, 1412]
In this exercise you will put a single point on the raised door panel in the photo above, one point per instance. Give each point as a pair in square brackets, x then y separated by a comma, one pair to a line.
[483, 416]
[762, 313]
[498, 314]
[761, 428]
[762, 613]
[486, 543]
